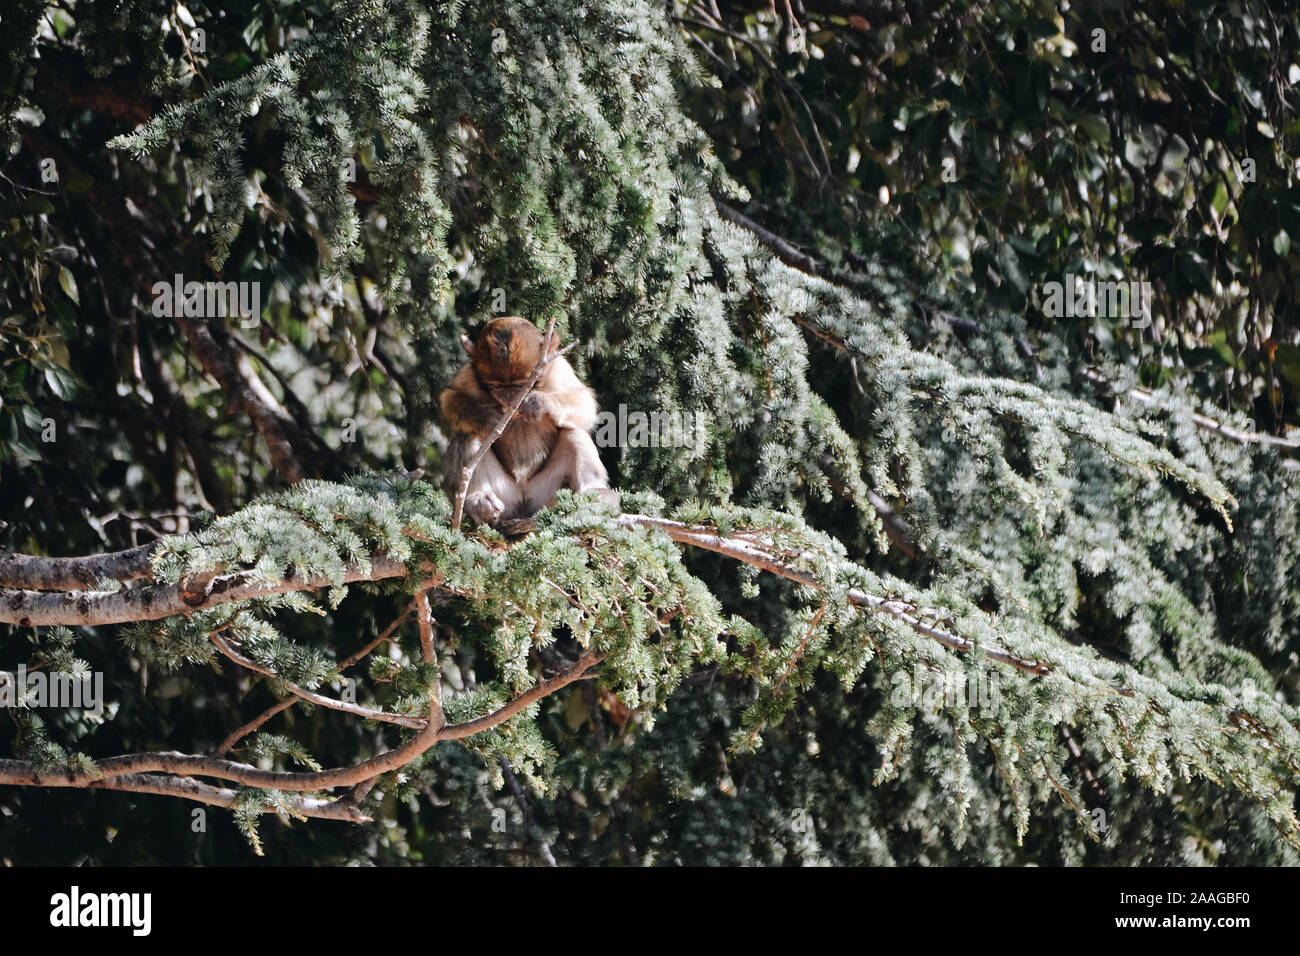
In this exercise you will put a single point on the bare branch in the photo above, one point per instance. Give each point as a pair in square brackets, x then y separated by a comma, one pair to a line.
[191, 765]
[240, 733]
[356, 710]
[424, 617]
[22, 773]
[385, 634]
[188, 789]
[67, 574]
[547, 687]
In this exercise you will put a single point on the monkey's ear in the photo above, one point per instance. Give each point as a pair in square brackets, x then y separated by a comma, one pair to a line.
[466, 344]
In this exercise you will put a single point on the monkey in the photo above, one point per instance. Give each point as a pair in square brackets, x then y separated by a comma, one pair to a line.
[547, 445]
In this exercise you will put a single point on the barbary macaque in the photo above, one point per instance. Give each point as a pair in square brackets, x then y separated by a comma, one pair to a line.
[546, 447]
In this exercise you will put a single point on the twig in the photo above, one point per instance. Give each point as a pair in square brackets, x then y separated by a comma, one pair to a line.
[783, 83]
[384, 635]
[356, 710]
[577, 672]
[239, 734]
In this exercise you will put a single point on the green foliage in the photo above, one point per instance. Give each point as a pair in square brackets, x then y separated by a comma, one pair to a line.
[1020, 141]
[568, 159]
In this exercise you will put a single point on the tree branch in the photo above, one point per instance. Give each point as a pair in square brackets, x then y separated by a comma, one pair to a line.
[746, 551]
[151, 603]
[68, 574]
[796, 259]
[1146, 396]
[547, 687]
[23, 773]
[188, 789]
[783, 249]
[356, 710]
[31, 608]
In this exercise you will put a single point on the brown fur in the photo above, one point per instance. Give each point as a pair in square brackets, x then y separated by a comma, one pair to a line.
[545, 448]
[507, 351]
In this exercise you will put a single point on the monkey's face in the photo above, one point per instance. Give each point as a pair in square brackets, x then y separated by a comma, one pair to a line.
[504, 357]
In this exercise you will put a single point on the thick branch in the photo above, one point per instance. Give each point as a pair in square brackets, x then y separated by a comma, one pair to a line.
[151, 603]
[67, 574]
[30, 608]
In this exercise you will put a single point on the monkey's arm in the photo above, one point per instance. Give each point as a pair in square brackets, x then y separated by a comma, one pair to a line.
[562, 395]
[466, 407]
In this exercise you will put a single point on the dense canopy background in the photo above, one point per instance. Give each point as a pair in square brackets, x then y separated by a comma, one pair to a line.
[827, 229]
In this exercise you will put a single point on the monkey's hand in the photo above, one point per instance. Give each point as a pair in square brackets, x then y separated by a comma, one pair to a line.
[484, 506]
[534, 408]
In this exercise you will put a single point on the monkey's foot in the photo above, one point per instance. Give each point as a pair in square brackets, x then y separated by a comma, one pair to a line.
[484, 507]
[610, 497]
[512, 529]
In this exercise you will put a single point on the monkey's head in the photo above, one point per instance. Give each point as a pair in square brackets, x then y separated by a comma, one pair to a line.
[503, 358]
